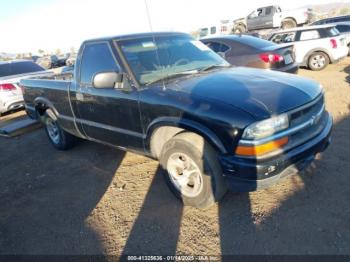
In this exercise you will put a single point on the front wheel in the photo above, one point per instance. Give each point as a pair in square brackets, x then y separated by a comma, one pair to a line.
[318, 61]
[288, 23]
[192, 171]
[59, 138]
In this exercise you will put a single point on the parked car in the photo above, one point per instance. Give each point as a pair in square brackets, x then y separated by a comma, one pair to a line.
[52, 61]
[11, 72]
[244, 50]
[170, 97]
[272, 17]
[315, 46]
[344, 29]
[330, 20]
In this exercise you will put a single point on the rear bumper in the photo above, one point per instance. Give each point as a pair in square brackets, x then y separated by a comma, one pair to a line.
[293, 69]
[244, 175]
[11, 104]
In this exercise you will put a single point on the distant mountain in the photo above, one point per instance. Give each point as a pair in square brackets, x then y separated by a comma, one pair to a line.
[4, 55]
[331, 9]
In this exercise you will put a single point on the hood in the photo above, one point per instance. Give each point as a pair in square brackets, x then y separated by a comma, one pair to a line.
[262, 93]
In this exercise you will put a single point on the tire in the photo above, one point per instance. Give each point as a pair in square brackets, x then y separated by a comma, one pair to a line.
[205, 185]
[288, 23]
[59, 138]
[318, 61]
[239, 29]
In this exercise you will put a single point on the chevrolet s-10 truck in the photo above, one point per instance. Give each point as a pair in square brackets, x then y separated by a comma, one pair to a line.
[212, 126]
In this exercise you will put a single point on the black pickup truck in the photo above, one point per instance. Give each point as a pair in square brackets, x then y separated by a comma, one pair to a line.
[167, 96]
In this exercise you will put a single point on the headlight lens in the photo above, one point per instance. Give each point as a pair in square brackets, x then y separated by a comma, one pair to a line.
[266, 127]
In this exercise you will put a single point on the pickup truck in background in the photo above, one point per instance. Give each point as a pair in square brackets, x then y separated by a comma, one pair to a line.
[167, 96]
[272, 17]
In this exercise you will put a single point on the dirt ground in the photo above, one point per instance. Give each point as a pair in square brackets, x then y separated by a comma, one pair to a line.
[97, 200]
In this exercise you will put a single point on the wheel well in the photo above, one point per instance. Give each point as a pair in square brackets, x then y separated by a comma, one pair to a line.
[163, 134]
[160, 136]
[40, 109]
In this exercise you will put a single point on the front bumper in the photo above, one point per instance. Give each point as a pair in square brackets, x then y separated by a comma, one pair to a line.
[244, 175]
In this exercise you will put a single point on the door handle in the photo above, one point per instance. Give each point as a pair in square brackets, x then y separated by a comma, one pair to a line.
[79, 96]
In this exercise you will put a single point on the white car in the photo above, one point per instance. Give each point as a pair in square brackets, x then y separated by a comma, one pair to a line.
[11, 72]
[314, 46]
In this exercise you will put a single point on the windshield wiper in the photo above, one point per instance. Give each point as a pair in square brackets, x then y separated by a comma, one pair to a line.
[210, 67]
[167, 77]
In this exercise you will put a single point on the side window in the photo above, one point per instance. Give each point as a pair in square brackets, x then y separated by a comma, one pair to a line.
[213, 30]
[268, 11]
[213, 46]
[309, 35]
[224, 48]
[343, 28]
[96, 58]
[283, 38]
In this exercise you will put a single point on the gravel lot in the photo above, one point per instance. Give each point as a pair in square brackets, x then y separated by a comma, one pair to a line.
[94, 199]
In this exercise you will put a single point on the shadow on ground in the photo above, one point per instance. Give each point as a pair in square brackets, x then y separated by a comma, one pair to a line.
[40, 212]
[314, 219]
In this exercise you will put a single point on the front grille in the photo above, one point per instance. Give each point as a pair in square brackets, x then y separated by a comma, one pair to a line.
[314, 114]
[307, 112]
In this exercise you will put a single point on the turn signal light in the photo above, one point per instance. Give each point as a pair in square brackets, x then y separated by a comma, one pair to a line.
[263, 148]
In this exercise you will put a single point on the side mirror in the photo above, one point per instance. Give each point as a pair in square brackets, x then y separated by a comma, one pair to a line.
[108, 80]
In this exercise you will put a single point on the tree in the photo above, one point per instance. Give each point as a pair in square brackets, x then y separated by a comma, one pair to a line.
[344, 11]
[58, 52]
[41, 52]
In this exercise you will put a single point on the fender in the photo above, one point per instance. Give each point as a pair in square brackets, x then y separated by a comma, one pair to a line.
[48, 105]
[187, 124]
[306, 57]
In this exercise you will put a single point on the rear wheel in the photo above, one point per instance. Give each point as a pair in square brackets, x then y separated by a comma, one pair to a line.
[318, 61]
[288, 23]
[239, 29]
[192, 171]
[59, 138]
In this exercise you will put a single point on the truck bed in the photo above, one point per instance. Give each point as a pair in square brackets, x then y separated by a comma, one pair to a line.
[51, 89]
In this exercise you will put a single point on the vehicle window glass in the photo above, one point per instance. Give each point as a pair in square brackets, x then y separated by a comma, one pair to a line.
[203, 32]
[216, 47]
[343, 28]
[332, 31]
[213, 30]
[283, 38]
[18, 68]
[153, 58]
[268, 10]
[224, 48]
[96, 58]
[309, 35]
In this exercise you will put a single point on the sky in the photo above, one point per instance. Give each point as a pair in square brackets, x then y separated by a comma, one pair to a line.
[30, 25]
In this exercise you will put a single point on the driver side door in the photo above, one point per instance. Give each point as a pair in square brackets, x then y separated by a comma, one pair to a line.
[109, 114]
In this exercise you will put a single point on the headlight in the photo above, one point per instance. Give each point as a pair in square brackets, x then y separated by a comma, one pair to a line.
[266, 127]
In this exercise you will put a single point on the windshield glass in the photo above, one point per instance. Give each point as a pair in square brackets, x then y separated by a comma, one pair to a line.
[156, 58]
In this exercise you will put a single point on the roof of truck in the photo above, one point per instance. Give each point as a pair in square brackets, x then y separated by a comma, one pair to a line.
[135, 36]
